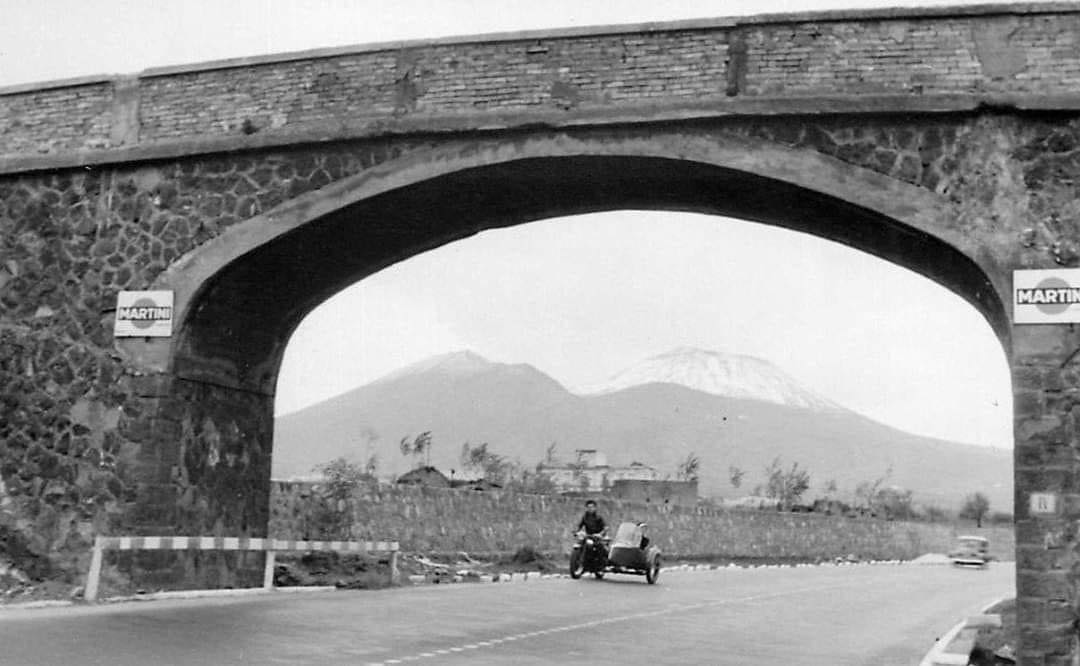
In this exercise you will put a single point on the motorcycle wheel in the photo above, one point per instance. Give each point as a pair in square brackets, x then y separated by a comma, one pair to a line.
[577, 564]
[653, 572]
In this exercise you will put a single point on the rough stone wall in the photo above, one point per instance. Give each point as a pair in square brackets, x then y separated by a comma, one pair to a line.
[1012, 185]
[444, 520]
[83, 435]
[1015, 192]
[1015, 51]
[71, 239]
[921, 152]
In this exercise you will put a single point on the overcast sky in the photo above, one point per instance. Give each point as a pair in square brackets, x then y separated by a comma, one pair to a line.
[581, 298]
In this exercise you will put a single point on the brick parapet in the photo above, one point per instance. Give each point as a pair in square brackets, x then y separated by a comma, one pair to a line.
[1007, 50]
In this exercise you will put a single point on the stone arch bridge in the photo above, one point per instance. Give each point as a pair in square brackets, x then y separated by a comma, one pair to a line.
[944, 140]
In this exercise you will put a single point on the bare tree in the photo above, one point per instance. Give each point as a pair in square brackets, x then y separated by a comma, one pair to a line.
[934, 514]
[975, 507]
[340, 477]
[418, 447]
[867, 493]
[331, 516]
[494, 467]
[735, 475]
[689, 467]
[896, 503]
[367, 436]
[786, 486]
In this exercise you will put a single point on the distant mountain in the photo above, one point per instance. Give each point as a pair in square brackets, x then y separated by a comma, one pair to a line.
[455, 364]
[656, 412]
[730, 375]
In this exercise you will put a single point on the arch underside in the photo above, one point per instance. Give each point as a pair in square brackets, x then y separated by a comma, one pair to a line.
[240, 321]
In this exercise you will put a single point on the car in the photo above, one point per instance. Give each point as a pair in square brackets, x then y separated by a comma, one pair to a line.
[628, 553]
[970, 550]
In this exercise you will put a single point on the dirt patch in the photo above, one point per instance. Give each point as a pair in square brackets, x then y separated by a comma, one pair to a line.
[439, 566]
[17, 586]
[46, 590]
[343, 571]
[446, 567]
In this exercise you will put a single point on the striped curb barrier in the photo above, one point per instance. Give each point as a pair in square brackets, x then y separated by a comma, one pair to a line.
[269, 546]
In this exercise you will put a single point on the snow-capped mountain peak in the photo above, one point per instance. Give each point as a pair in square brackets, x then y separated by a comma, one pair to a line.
[730, 375]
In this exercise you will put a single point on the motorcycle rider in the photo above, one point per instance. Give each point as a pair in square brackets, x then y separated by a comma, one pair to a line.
[591, 522]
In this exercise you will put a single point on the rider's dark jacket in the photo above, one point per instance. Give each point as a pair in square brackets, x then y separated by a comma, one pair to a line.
[592, 523]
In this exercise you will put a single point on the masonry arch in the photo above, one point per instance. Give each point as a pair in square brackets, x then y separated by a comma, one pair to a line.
[240, 296]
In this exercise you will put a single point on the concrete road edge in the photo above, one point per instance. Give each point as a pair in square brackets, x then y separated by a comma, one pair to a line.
[936, 655]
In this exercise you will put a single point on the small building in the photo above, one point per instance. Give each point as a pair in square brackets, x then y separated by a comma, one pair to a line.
[751, 502]
[645, 491]
[591, 473]
[474, 484]
[424, 476]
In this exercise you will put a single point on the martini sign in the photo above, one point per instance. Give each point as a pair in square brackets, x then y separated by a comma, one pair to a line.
[1046, 296]
[144, 314]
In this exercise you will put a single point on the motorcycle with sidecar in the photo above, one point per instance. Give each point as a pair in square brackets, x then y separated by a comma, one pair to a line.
[628, 553]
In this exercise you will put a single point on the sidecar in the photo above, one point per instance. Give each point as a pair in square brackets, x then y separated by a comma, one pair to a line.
[631, 553]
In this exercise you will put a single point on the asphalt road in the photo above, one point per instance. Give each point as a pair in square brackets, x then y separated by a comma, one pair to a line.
[868, 615]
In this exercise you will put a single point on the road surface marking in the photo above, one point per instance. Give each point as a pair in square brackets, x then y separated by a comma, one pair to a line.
[679, 608]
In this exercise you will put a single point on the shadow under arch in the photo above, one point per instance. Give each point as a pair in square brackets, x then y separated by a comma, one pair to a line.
[234, 329]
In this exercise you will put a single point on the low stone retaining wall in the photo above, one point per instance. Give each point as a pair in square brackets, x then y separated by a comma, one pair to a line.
[442, 520]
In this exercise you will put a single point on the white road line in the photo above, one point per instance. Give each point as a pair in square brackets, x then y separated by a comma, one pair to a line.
[491, 642]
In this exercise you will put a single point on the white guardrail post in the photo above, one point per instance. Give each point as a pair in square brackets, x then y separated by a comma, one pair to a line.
[270, 546]
[268, 573]
[92, 578]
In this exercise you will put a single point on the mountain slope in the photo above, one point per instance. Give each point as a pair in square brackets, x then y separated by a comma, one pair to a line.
[453, 396]
[730, 375]
[520, 411]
